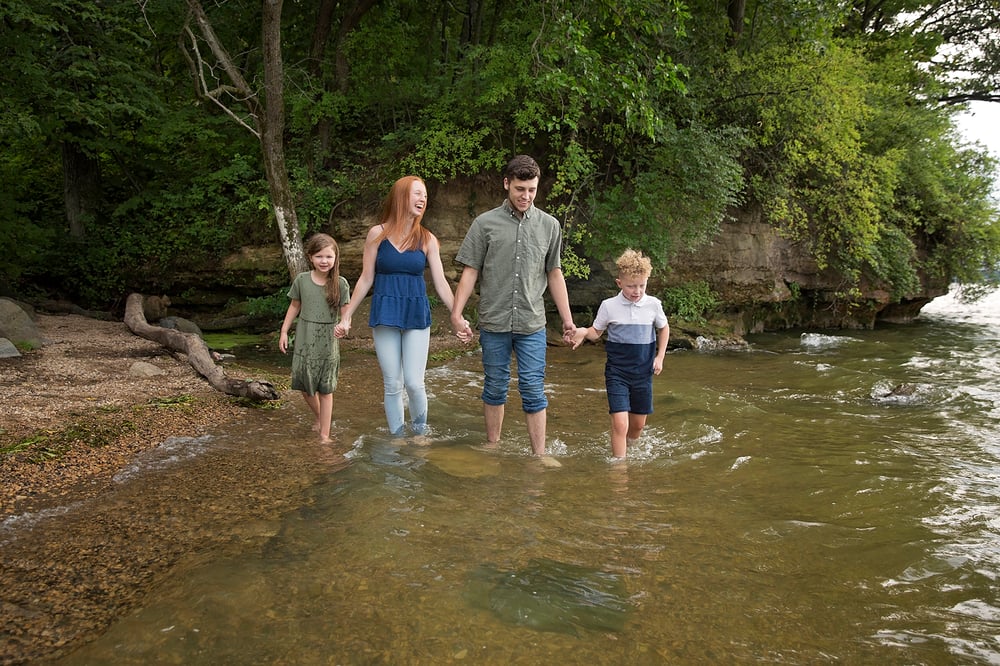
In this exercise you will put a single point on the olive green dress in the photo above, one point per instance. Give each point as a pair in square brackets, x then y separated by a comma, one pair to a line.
[316, 352]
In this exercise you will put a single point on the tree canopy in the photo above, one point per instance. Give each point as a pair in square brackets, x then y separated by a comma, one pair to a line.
[137, 136]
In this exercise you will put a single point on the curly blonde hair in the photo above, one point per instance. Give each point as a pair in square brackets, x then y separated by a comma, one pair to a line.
[634, 264]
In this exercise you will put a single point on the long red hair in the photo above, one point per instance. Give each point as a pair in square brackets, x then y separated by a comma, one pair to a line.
[395, 214]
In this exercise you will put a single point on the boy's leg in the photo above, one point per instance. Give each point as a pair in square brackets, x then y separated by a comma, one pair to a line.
[618, 406]
[636, 422]
[619, 431]
[640, 407]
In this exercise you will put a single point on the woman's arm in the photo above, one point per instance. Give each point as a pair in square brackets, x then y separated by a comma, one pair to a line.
[363, 284]
[443, 289]
[440, 282]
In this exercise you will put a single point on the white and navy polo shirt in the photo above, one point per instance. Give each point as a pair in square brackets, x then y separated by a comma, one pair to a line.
[631, 327]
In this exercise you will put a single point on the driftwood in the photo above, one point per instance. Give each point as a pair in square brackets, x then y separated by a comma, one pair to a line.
[197, 353]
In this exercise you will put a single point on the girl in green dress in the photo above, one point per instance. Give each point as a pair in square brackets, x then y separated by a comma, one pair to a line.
[317, 298]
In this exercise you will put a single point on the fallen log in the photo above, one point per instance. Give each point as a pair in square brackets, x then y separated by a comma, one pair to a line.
[197, 353]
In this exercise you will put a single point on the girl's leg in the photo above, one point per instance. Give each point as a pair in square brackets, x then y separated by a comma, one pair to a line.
[313, 402]
[325, 415]
[415, 343]
[619, 431]
[389, 350]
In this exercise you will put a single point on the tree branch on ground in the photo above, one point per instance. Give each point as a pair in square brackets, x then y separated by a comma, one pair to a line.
[197, 353]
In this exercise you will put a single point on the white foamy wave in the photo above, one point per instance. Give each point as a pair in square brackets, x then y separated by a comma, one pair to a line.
[25, 520]
[170, 452]
[821, 341]
[950, 307]
[739, 462]
[905, 393]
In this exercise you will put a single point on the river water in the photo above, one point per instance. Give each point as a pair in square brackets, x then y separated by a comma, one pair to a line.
[820, 497]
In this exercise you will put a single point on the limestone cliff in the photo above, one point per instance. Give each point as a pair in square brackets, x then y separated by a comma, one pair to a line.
[764, 281]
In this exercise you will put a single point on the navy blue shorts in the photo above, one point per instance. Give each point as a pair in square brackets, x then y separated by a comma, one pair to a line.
[629, 393]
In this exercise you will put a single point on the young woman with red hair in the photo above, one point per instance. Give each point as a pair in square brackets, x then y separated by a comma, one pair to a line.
[397, 252]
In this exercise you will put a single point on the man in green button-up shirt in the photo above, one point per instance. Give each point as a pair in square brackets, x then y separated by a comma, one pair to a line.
[514, 253]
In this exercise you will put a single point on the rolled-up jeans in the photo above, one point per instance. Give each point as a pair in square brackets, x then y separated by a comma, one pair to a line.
[529, 350]
[402, 355]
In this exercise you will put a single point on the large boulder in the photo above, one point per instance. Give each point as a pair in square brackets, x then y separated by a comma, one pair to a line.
[17, 326]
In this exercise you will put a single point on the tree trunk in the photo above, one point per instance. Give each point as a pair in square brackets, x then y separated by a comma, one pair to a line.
[266, 120]
[272, 141]
[81, 187]
[736, 11]
[197, 354]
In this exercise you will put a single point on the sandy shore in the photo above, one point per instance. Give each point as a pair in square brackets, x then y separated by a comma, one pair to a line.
[72, 417]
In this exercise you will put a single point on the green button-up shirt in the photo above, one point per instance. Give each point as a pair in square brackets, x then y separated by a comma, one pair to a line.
[513, 257]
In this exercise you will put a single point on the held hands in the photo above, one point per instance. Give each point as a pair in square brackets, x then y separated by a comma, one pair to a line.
[576, 336]
[569, 333]
[342, 329]
[461, 328]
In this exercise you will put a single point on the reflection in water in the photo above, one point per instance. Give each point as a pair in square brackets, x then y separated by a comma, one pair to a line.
[784, 505]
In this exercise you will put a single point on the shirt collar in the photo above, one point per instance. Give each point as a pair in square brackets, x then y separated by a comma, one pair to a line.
[513, 213]
[625, 301]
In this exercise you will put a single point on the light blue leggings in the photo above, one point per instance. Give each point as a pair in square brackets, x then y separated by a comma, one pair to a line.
[402, 355]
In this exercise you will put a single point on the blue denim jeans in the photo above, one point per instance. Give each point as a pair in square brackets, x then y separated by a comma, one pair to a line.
[529, 350]
[402, 355]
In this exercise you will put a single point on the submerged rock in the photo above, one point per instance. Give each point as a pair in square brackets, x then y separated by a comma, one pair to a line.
[463, 462]
[551, 596]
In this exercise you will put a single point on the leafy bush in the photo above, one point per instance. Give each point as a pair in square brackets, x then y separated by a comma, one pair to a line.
[691, 301]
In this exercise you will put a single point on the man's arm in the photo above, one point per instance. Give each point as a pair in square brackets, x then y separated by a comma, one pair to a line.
[463, 291]
[560, 296]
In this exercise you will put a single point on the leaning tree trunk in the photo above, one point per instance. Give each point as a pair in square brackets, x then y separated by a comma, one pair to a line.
[197, 354]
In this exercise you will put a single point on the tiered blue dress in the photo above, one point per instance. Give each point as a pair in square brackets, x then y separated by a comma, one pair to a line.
[399, 293]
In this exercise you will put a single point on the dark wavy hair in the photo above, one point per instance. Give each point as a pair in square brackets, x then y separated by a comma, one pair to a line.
[522, 167]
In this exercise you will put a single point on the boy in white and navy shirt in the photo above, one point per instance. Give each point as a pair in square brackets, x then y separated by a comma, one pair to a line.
[638, 333]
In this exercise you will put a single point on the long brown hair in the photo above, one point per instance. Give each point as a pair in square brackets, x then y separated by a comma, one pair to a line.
[316, 244]
[395, 212]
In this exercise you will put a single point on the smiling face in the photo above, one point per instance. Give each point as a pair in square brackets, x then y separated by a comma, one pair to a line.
[521, 193]
[633, 286]
[418, 199]
[324, 260]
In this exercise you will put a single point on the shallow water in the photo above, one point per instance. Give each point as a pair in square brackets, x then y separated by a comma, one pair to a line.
[817, 498]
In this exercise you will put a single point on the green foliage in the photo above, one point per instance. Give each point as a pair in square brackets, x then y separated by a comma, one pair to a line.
[840, 161]
[23, 242]
[690, 302]
[650, 119]
[672, 197]
[268, 307]
[46, 445]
